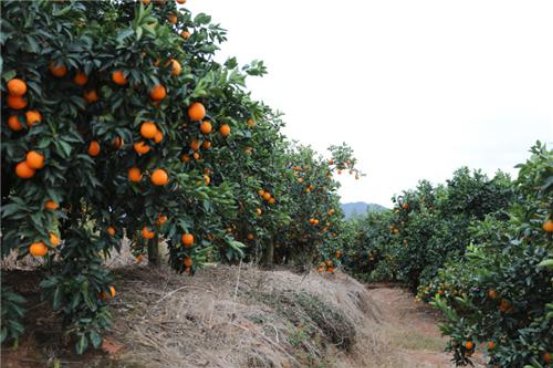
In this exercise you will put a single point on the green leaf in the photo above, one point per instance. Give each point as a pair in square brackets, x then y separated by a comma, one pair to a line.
[95, 338]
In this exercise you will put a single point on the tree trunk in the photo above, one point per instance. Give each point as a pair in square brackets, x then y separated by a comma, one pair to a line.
[153, 252]
[268, 255]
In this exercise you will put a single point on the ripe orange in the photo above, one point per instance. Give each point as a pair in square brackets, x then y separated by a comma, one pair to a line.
[469, 345]
[331, 211]
[187, 240]
[80, 79]
[251, 122]
[205, 127]
[224, 130]
[147, 233]
[185, 35]
[250, 236]
[17, 87]
[172, 18]
[492, 294]
[261, 192]
[35, 160]
[38, 249]
[331, 162]
[16, 102]
[187, 262]
[57, 70]
[272, 201]
[266, 196]
[207, 179]
[159, 177]
[54, 240]
[206, 145]
[119, 78]
[111, 230]
[547, 357]
[94, 148]
[91, 96]
[148, 129]
[185, 158]
[176, 68]
[141, 147]
[259, 211]
[181, 1]
[117, 142]
[24, 171]
[158, 137]
[158, 92]
[338, 254]
[33, 117]
[196, 111]
[196, 156]
[161, 219]
[195, 145]
[112, 291]
[146, 2]
[134, 175]
[51, 205]
[491, 345]
[14, 123]
[548, 226]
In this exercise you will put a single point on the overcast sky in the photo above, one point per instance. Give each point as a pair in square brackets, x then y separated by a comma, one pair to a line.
[417, 88]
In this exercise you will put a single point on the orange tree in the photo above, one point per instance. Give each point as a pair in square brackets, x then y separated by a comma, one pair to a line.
[117, 122]
[499, 297]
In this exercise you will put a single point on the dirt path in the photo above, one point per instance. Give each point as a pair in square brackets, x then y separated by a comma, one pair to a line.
[411, 328]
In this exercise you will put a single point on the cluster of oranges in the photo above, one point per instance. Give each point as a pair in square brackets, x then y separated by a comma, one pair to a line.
[267, 196]
[327, 266]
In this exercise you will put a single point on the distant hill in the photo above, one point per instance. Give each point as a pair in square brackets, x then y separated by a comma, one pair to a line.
[354, 209]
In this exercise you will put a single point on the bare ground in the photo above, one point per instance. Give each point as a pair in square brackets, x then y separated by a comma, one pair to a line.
[241, 316]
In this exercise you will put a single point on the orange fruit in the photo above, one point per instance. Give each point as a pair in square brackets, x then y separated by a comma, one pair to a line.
[185, 35]
[187, 262]
[148, 129]
[17, 87]
[261, 192]
[259, 211]
[492, 294]
[205, 127]
[111, 230]
[80, 79]
[54, 240]
[250, 236]
[195, 145]
[94, 148]
[272, 201]
[134, 175]
[24, 171]
[35, 160]
[469, 345]
[146, 2]
[196, 111]
[147, 233]
[158, 92]
[548, 226]
[119, 78]
[224, 130]
[187, 240]
[57, 70]
[51, 205]
[185, 158]
[251, 122]
[181, 1]
[112, 291]
[266, 196]
[159, 177]
[161, 219]
[172, 18]
[38, 249]
[14, 123]
[158, 137]
[16, 102]
[206, 144]
[491, 345]
[91, 96]
[547, 357]
[207, 179]
[33, 117]
[176, 68]
[196, 156]
[117, 142]
[141, 147]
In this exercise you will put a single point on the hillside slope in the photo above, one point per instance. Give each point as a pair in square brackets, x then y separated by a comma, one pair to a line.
[354, 209]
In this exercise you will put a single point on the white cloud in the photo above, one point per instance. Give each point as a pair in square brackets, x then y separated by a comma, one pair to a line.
[417, 88]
